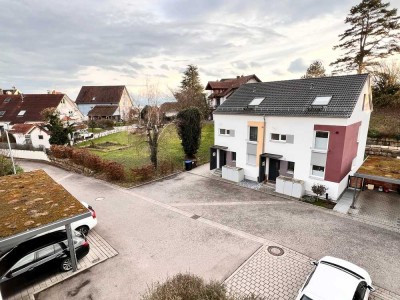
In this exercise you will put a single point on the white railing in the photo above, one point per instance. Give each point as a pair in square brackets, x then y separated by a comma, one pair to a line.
[108, 132]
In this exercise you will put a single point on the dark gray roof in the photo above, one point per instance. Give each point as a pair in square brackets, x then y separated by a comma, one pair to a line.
[294, 97]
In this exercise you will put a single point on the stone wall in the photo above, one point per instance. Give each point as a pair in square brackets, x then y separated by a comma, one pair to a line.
[381, 150]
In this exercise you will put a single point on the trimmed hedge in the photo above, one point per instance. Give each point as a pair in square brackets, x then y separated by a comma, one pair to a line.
[112, 170]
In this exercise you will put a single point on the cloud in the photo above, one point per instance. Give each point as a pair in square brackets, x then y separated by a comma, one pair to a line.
[298, 65]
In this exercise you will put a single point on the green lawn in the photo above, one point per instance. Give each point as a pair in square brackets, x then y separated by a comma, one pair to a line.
[132, 150]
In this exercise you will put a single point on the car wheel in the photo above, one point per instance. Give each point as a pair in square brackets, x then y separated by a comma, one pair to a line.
[83, 229]
[66, 264]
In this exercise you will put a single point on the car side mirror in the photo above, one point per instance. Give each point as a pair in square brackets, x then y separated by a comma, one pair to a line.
[371, 288]
[314, 263]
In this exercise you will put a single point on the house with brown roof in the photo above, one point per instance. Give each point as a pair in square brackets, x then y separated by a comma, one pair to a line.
[222, 89]
[34, 135]
[27, 108]
[104, 102]
[169, 110]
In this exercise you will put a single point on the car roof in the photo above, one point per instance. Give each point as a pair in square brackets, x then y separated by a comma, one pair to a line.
[33, 244]
[331, 283]
[349, 266]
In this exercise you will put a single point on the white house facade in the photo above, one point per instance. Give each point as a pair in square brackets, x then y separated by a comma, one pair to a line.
[310, 130]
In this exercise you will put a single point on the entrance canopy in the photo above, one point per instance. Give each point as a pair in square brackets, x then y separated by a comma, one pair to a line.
[219, 147]
[270, 155]
[32, 203]
[380, 168]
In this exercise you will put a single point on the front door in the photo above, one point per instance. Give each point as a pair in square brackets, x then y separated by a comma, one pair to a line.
[273, 170]
[213, 158]
[263, 163]
[222, 158]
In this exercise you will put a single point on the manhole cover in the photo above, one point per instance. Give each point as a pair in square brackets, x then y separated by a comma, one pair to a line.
[275, 251]
[195, 217]
[99, 198]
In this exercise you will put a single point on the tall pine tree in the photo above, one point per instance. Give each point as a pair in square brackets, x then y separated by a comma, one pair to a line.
[373, 34]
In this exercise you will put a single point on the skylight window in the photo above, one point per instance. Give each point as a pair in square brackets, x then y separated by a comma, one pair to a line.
[7, 100]
[21, 113]
[94, 98]
[2, 112]
[256, 101]
[322, 100]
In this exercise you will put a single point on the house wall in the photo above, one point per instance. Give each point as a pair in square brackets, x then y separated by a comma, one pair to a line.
[70, 109]
[36, 142]
[125, 105]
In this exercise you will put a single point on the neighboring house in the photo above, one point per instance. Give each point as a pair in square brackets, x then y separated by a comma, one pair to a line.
[27, 108]
[31, 134]
[221, 90]
[313, 130]
[104, 112]
[91, 97]
[169, 110]
[13, 91]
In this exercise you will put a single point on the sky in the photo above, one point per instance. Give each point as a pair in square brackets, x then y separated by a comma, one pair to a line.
[62, 45]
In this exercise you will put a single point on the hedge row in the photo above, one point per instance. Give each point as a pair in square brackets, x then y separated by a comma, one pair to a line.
[113, 170]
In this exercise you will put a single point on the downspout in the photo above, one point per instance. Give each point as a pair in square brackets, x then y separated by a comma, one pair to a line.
[263, 145]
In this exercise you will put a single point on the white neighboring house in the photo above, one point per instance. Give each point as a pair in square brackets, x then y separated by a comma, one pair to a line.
[116, 98]
[312, 130]
[26, 110]
[30, 134]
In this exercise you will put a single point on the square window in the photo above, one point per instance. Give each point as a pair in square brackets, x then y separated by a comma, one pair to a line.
[290, 167]
[283, 137]
[21, 113]
[253, 134]
[318, 171]
[40, 137]
[274, 136]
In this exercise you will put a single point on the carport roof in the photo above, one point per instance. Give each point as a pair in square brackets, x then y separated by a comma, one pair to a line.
[380, 168]
[32, 203]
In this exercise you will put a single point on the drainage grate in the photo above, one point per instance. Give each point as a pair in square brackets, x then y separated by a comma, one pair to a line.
[275, 251]
[195, 217]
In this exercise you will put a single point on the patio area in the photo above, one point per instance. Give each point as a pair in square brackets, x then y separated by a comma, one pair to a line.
[379, 207]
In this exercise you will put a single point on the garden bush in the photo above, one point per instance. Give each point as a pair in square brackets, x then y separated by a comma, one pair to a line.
[113, 170]
[165, 168]
[106, 124]
[143, 173]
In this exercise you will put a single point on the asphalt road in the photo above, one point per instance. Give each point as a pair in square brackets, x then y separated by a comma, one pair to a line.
[153, 243]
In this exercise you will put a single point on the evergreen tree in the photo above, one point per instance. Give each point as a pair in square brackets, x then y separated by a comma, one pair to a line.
[316, 69]
[373, 34]
[59, 133]
[189, 130]
[191, 90]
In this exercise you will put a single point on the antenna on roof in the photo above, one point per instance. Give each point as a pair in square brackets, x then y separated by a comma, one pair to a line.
[22, 97]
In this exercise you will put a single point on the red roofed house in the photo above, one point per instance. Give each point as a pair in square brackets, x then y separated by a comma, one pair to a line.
[104, 102]
[27, 108]
[221, 90]
[23, 114]
[31, 134]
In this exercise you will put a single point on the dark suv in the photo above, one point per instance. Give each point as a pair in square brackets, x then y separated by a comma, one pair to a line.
[50, 248]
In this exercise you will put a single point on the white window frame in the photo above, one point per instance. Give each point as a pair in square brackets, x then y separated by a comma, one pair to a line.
[315, 175]
[227, 132]
[315, 139]
[279, 140]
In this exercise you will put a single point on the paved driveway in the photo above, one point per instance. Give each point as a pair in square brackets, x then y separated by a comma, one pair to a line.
[152, 242]
[310, 230]
[152, 229]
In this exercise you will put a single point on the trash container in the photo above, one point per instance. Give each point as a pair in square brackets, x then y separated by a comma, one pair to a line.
[188, 165]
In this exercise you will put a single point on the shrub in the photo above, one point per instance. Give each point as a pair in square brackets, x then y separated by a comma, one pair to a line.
[78, 156]
[6, 167]
[58, 151]
[106, 124]
[165, 168]
[318, 189]
[93, 162]
[143, 173]
[113, 170]
[186, 286]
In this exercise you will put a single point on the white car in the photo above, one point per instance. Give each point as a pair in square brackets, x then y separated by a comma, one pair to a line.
[336, 279]
[84, 225]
